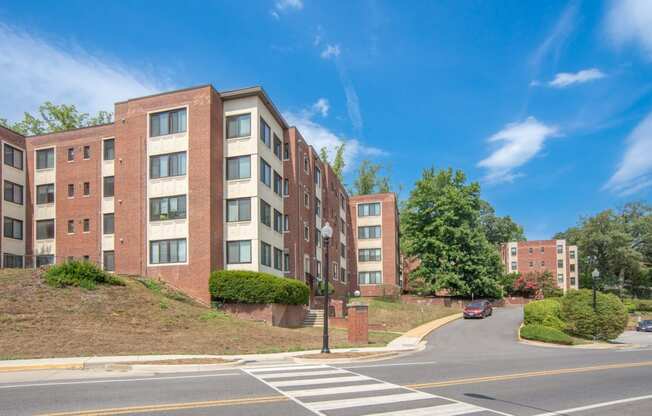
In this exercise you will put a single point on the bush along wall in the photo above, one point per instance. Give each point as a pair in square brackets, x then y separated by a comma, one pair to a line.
[240, 286]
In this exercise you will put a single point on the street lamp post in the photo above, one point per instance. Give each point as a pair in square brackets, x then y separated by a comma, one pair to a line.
[327, 233]
[595, 274]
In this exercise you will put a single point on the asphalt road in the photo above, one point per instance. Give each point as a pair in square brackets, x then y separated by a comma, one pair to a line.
[470, 367]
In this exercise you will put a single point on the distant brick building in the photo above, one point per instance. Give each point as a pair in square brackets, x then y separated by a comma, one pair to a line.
[181, 184]
[555, 256]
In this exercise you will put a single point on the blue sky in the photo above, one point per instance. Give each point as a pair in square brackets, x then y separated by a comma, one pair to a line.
[547, 104]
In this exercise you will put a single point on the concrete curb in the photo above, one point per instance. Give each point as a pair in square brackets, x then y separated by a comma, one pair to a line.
[172, 368]
[375, 357]
[414, 337]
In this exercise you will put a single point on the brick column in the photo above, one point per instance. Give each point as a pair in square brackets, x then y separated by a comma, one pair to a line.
[358, 324]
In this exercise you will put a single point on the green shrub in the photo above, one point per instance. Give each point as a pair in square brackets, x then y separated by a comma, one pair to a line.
[79, 273]
[630, 305]
[577, 312]
[239, 286]
[545, 334]
[643, 305]
[544, 312]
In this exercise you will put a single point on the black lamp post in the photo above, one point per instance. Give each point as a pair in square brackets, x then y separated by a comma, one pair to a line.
[327, 233]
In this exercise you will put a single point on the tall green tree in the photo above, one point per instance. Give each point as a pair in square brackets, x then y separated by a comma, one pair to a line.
[440, 225]
[53, 118]
[369, 181]
[499, 230]
[337, 164]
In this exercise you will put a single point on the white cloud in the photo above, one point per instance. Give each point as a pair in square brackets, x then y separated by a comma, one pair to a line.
[556, 38]
[565, 79]
[630, 21]
[289, 4]
[519, 142]
[321, 106]
[330, 51]
[320, 136]
[33, 71]
[634, 172]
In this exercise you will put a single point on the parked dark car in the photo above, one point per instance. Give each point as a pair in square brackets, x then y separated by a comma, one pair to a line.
[478, 309]
[644, 326]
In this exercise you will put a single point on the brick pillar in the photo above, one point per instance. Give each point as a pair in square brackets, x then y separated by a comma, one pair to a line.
[358, 320]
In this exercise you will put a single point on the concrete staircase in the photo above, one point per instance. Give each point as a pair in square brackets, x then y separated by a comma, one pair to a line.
[314, 318]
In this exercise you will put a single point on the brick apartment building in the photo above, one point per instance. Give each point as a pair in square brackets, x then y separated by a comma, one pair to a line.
[555, 256]
[181, 184]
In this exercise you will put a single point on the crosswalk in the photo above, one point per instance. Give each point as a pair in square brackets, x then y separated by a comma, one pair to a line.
[332, 391]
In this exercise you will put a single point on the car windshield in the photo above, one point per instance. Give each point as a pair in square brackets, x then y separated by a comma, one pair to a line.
[475, 305]
[646, 322]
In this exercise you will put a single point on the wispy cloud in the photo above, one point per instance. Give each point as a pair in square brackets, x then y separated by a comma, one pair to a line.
[518, 143]
[566, 79]
[630, 21]
[321, 106]
[554, 42]
[320, 136]
[282, 6]
[33, 70]
[331, 51]
[634, 172]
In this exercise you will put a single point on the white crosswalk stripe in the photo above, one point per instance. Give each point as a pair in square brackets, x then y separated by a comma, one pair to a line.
[326, 390]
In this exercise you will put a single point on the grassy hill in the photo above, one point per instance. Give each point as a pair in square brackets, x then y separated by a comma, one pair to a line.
[37, 320]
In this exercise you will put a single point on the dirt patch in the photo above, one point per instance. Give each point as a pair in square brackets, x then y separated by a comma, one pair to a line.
[395, 316]
[355, 354]
[39, 321]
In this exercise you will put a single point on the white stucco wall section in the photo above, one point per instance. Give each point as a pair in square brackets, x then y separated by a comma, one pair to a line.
[45, 211]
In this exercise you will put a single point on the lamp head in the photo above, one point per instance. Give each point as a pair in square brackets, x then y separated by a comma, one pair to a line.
[327, 230]
[595, 273]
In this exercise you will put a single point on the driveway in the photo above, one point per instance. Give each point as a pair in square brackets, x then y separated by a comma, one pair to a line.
[643, 339]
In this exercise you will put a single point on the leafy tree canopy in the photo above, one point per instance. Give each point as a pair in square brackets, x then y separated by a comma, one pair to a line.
[53, 118]
[337, 164]
[499, 230]
[369, 181]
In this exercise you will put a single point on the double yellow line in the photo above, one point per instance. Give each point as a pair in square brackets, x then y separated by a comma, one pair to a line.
[274, 399]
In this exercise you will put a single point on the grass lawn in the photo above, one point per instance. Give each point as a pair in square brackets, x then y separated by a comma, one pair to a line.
[38, 321]
[395, 316]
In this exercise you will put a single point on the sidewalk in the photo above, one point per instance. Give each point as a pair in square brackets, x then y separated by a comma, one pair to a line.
[414, 337]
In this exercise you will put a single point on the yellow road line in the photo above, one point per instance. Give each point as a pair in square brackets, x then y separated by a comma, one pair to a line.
[172, 406]
[515, 376]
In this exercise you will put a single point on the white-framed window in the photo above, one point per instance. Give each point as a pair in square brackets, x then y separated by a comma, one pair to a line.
[369, 254]
[514, 266]
[369, 232]
[109, 149]
[265, 254]
[278, 184]
[238, 252]
[13, 228]
[238, 209]
[108, 257]
[265, 133]
[167, 122]
[278, 259]
[265, 173]
[45, 158]
[238, 167]
[371, 209]
[13, 192]
[13, 157]
[167, 165]
[513, 251]
[167, 208]
[168, 251]
[109, 223]
[370, 278]
[238, 126]
[45, 229]
[265, 213]
[278, 221]
[277, 146]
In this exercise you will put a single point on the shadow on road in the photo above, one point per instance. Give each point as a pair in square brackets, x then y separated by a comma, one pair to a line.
[485, 397]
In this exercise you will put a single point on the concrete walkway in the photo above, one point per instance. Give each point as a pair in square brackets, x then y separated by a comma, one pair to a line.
[414, 337]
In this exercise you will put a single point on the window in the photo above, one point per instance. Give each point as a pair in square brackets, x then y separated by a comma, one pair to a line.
[265, 254]
[369, 210]
[265, 133]
[87, 152]
[513, 266]
[572, 254]
[238, 167]
[306, 231]
[317, 237]
[109, 260]
[286, 187]
[306, 264]
[71, 154]
[87, 188]
[109, 223]
[278, 180]
[13, 192]
[238, 209]
[306, 167]
[531, 264]
[45, 159]
[109, 149]
[318, 267]
[286, 261]
[529, 250]
[109, 190]
[560, 248]
[572, 281]
[317, 207]
[560, 278]
[44, 229]
[265, 213]
[13, 228]
[306, 200]
[45, 194]
[572, 268]
[278, 222]
[167, 208]
[342, 274]
[369, 254]
[44, 260]
[167, 122]
[86, 258]
[13, 157]
[317, 176]
[513, 251]
[12, 261]
[342, 250]
[369, 278]
[167, 251]
[163, 166]
[369, 232]
[277, 146]
[543, 249]
[560, 264]
[286, 151]
[335, 267]
[543, 263]
[238, 252]
[278, 259]
[71, 226]
[342, 201]
[265, 173]
[286, 223]
[238, 126]
[71, 190]
[87, 225]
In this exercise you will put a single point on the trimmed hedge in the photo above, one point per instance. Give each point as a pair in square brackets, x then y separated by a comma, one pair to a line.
[545, 334]
[240, 286]
[577, 312]
[79, 273]
[638, 305]
[545, 312]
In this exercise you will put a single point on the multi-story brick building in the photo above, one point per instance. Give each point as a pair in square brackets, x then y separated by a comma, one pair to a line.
[554, 256]
[181, 184]
[375, 221]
